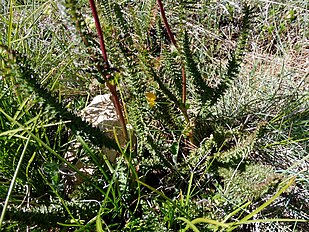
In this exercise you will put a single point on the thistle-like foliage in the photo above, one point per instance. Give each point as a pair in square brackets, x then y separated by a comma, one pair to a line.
[237, 56]
[77, 125]
[209, 95]
[170, 71]
[47, 214]
[74, 13]
[203, 91]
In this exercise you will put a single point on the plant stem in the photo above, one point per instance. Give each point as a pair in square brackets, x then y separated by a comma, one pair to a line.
[99, 30]
[118, 107]
[111, 86]
[170, 34]
[183, 71]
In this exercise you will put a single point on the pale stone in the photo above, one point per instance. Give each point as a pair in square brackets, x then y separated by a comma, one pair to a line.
[100, 113]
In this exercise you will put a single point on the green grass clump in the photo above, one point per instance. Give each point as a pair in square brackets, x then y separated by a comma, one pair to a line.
[213, 112]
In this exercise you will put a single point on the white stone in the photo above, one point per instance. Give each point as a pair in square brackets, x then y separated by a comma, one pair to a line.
[101, 112]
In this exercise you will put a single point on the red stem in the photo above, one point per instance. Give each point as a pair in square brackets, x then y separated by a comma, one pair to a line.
[111, 87]
[169, 32]
[183, 71]
[99, 30]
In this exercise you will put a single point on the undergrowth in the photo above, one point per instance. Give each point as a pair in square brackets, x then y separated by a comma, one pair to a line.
[212, 131]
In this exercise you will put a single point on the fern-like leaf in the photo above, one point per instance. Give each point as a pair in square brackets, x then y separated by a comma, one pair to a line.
[77, 125]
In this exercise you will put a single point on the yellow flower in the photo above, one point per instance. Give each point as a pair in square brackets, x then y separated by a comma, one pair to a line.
[151, 98]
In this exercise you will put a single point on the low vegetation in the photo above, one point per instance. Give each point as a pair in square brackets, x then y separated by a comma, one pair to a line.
[212, 102]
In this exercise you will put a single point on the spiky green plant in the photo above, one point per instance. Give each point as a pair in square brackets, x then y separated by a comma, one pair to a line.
[189, 153]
